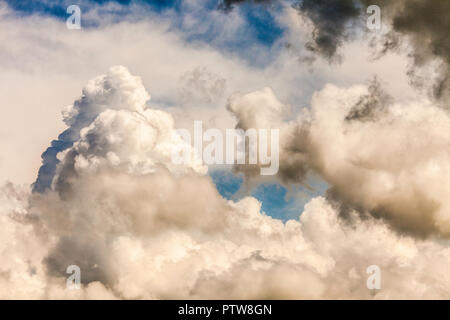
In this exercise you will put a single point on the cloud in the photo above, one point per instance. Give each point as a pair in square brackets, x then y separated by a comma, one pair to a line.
[379, 157]
[63, 59]
[331, 21]
[137, 139]
[425, 24]
[140, 228]
[228, 5]
[419, 26]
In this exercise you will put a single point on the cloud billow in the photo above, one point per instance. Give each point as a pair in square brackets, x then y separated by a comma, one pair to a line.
[109, 199]
[140, 226]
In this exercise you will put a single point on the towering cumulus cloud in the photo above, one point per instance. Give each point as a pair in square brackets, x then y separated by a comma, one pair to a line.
[133, 131]
[139, 226]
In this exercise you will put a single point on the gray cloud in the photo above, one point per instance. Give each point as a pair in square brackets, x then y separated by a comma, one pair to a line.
[379, 157]
[332, 20]
[420, 25]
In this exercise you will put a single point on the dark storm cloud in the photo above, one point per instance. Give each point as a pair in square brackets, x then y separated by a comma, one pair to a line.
[331, 19]
[421, 24]
[426, 24]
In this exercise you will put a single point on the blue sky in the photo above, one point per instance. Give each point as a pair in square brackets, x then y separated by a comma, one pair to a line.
[277, 201]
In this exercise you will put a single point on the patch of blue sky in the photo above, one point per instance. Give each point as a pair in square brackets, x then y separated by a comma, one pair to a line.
[276, 200]
[253, 37]
[263, 23]
[58, 8]
[227, 183]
